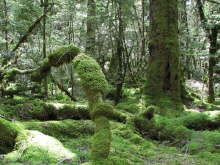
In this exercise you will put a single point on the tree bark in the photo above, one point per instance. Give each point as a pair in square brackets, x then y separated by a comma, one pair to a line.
[119, 80]
[91, 26]
[6, 25]
[163, 75]
[45, 5]
[212, 61]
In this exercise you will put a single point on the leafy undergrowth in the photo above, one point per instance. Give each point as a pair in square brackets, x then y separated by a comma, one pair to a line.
[129, 146]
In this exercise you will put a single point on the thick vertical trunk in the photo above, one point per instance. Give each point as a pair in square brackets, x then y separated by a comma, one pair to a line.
[6, 25]
[91, 26]
[143, 44]
[212, 61]
[119, 81]
[163, 75]
[44, 45]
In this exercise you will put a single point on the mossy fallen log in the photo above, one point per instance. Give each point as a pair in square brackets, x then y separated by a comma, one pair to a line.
[70, 128]
[78, 111]
[30, 146]
[61, 56]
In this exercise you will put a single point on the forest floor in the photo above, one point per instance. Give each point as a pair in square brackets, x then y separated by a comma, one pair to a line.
[128, 143]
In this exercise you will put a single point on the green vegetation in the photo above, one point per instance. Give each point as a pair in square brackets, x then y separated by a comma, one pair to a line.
[92, 79]
[8, 134]
[63, 55]
[131, 82]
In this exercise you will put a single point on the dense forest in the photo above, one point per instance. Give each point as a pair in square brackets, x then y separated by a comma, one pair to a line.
[109, 82]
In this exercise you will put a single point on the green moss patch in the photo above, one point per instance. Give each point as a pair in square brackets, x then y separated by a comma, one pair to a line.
[91, 75]
[101, 140]
[204, 141]
[107, 110]
[69, 128]
[63, 55]
[8, 134]
[37, 148]
[10, 74]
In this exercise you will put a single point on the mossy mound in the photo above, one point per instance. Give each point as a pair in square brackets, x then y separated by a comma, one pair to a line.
[69, 128]
[37, 148]
[200, 121]
[162, 129]
[8, 134]
[91, 75]
[167, 106]
[63, 55]
[204, 141]
[130, 107]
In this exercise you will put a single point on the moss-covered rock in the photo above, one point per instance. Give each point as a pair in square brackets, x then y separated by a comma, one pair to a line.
[8, 134]
[35, 148]
[63, 55]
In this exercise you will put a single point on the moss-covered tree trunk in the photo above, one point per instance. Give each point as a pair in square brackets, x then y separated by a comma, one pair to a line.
[91, 27]
[45, 5]
[212, 61]
[163, 74]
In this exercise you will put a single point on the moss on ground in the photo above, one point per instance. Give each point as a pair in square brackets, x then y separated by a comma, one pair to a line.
[205, 106]
[128, 145]
[69, 128]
